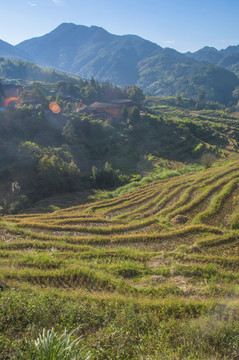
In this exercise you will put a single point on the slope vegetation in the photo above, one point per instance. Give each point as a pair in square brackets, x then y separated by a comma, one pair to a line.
[19, 70]
[152, 273]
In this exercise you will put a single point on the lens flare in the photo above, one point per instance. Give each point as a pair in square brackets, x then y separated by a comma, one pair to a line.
[54, 107]
[7, 101]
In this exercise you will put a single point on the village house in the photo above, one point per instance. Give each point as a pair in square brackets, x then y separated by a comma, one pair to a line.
[112, 107]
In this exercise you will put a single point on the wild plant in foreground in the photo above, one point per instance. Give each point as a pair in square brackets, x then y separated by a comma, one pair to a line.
[51, 346]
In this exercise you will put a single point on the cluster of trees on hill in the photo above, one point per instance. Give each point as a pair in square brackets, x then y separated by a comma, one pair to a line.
[88, 90]
[91, 91]
[42, 153]
[19, 70]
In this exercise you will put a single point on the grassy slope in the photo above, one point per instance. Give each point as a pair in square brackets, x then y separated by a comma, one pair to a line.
[214, 130]
[138, 285]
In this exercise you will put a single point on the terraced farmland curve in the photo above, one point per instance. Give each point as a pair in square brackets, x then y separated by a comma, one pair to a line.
[170, 249]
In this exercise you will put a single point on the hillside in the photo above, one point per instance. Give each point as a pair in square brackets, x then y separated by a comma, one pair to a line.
[171, 74]
[126, 60]
[139, 255]
[8, 51]
[179, 79]
[226, 58]
[22, 71]
[47, 153]
[152, 273]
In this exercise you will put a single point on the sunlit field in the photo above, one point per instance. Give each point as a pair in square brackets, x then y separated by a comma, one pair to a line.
[150, 274]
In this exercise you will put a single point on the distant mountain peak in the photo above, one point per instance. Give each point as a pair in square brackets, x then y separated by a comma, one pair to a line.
[98, 28]
[209, 48]
[66, 24]
[131, 60]
[227, 58]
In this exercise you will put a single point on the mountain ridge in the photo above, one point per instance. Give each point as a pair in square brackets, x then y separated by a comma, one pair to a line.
[74, 48]
[227, 58]
[127, 60]
[12, 52]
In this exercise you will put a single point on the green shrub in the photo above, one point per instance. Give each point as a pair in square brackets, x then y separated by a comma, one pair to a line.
[51, 346]
[106, 177]
[208, 159]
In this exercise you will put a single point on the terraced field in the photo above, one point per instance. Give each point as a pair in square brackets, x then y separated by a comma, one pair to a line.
[151, 274]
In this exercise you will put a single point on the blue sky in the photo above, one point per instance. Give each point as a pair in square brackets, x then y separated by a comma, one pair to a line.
[181, 24]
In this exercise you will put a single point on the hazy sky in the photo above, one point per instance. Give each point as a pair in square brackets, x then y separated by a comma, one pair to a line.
[181, 24]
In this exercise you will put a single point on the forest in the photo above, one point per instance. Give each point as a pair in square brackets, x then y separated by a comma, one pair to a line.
[44, 154]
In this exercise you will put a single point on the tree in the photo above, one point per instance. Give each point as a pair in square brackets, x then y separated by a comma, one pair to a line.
[135, 114]
[105, 178]
[93, 82]
[40, 95]
[30, 151]
[69, 132]
[58, 175]
[90, 94]
[125, 112]
[136, 94]
[201, 97]
[179, 101]
[14, 200]
[208, 159]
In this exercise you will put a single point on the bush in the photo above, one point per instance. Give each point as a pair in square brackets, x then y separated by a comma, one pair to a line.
[51, 346]
[135, 114]
[58, 175]
[105, 178]
[208, 159]
[18, 205]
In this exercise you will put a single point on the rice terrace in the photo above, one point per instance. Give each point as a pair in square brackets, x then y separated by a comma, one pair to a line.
[119, 180]
[150, 274]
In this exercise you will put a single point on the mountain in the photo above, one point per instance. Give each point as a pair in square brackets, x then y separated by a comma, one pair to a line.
[9, 51]
[176, 75]
[227, 58]
[128, 59]
[207, 54]
[90, 52]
